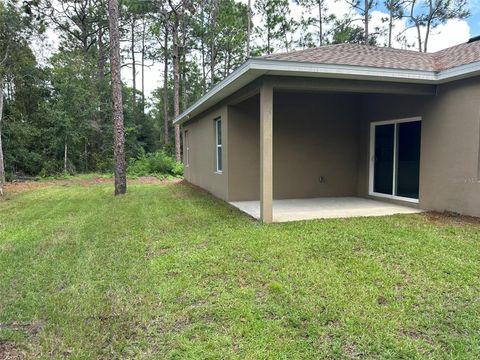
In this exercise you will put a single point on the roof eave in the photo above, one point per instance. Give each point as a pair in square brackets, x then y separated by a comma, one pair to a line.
[255, 68]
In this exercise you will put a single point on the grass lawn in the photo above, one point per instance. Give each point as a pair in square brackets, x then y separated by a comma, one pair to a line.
[170, 272]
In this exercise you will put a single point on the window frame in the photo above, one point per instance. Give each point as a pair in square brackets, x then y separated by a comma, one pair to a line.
[373, 126]
[218, 146]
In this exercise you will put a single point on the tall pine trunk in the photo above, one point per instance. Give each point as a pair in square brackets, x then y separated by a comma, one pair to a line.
[204, 64]
[2, 164]
[117, 101]
[65, 157]
[320, 23]
[143, 67]
[184, 66]
[213, 51]
[390, 29]
[367, 10]
[165, 89]
[101, 56]
[176, 87]
[419, 34]
[134, 69]
[427, 35]
[249, 26]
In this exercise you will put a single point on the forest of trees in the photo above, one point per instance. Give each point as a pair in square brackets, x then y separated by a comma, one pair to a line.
[56, 115]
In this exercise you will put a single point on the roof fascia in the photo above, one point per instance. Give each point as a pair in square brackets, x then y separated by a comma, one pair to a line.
[254, 68]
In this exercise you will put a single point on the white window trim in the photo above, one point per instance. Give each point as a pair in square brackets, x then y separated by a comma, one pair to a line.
[217, 145]
[186, 140]
[372, 159]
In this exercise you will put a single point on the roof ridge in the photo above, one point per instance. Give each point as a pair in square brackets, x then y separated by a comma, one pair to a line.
[299, 51]
[329, 46]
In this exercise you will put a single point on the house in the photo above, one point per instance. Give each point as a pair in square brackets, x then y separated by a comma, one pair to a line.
[341, 122]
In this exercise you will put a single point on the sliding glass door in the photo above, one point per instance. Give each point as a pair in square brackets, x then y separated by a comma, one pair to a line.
[395, 152]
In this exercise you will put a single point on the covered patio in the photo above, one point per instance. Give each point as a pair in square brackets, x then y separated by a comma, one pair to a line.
[301, 148]
[324, 208]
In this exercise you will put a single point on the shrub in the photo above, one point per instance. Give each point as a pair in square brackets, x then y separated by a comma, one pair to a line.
[156, 164]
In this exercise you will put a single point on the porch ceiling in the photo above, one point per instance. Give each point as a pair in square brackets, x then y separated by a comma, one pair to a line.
[324, 208]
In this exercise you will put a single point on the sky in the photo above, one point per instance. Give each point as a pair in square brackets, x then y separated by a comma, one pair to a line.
[452, 33]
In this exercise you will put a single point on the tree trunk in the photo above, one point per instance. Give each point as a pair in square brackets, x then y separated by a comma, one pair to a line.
[86, 156]
[320, 23]
[249, 30]
[65, 156]
[204, 72]
[367, 10]
[419, 34]
[2, 164]
[431, 12]
[134, 68]
[165, 89]
[117, 101]
[101, 74]
[427, 35]
[268, 36]
[176, 87]
[184, 66]
[143, 68]
[390, 29]
[212, 50]
[101, 55]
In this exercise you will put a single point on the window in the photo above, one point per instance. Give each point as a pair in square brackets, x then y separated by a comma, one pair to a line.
[186, 145]
[218, 145]
[395, 159]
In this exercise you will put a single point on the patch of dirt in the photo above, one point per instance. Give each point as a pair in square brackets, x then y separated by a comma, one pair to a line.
[8, 351]
[418, 336]
[32, 328]
[450, 219]
[154, 253]
[351, 351]
[202, 245]
[181, 323]
[381, 300]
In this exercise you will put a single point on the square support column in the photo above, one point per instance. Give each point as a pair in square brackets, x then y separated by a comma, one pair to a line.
[266, 153]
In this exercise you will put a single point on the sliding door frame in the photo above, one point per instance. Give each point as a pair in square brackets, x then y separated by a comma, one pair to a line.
[373, 126]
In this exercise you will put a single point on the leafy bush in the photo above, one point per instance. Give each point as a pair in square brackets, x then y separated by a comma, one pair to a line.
[156, 164]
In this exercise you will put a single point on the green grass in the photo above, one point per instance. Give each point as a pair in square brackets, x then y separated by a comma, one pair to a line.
[169, 272]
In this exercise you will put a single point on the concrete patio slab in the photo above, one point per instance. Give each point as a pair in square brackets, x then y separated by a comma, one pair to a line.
[324, 208]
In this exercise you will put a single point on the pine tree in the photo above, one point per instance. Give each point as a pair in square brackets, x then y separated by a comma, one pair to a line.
[117, 101]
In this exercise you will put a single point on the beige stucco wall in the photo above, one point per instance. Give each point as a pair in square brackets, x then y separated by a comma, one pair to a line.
[244, 154]
[449, 164]
[201, 168]
[314, 135]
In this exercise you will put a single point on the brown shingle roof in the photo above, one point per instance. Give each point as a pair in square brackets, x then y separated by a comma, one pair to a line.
[363, 55]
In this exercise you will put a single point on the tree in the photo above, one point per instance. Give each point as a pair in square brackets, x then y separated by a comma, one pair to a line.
[117, 101]
[179, 12]
[15, 29]
[2, 163]
[318, 21]
[344, 32]
[276, 24]
[364, 7]
[395, 10]
[249, 27]
[228, 35]
[439, 11]
[426, 15]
